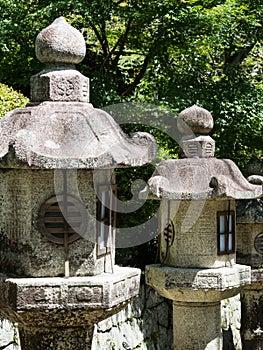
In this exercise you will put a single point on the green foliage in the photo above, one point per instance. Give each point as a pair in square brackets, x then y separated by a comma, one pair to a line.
[10, 99]
[166, 53]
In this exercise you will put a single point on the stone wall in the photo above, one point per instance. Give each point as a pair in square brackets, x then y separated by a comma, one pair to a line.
[9, 339]
[231, 323]
[146, 323]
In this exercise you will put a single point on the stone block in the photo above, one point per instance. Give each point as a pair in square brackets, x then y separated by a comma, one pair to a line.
[249, 243]
[201, 147]
[197, 285]
[31, 254]
[67, 85]
[195, 234]
[38, 300]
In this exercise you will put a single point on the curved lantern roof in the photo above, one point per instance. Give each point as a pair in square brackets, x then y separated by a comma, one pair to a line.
[71, 135]
[60, 128]
[198, 176]
[198, 179]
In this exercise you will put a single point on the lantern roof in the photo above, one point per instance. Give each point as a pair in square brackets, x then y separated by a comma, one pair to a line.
[60, 128]
[199, 179]
[198, 175]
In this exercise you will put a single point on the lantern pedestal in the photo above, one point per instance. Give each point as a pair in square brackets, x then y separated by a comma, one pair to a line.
[196, 295]
[59, 313]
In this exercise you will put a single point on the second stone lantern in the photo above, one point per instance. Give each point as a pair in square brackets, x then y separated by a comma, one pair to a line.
[57, 193]
[197, 244]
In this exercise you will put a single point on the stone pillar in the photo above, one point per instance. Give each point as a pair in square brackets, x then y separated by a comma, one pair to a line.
[76, 338]
[203, 322]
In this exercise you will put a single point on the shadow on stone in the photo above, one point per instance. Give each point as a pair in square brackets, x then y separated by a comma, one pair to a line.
[228, 342]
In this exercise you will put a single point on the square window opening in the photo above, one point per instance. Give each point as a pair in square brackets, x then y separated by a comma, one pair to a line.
[225, 232]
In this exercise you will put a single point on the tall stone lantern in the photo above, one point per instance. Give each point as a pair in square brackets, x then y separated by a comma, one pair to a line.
[57, 194]
[250, 252]
[198, 267]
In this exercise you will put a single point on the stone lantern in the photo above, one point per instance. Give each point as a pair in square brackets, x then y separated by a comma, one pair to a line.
[250, 252]
[57, 194]
[197, 242]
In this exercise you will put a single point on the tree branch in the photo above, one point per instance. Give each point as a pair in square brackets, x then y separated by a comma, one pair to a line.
[138, 77]
[105, 40]
[238, 57]
[121, 42]
[5, 346]
[101, 39]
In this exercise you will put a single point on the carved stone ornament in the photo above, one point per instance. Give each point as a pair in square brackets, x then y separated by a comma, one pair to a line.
[196, 120]
[60, 43]
[194, 123]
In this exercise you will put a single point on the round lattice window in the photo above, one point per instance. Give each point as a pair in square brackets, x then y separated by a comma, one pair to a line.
[62, 216]
[258, 243]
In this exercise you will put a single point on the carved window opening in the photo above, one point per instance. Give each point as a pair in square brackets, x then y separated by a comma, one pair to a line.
[106, 219]
[59, 218]
[209, 150]
[258, 243]
[225, 232]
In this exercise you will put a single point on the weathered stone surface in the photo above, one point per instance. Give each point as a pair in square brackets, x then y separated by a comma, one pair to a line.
[148, 325]
[195, 234]
[200, 146]
[192, 192]
[231, 323]
[145, 324]
[9, 339]
[246, 250]
[60, 129]
[249, 230]
[72, 135]
[199, 333]
[252, 316]
[60, 43]
[197, 285]
[249, 251]
[250, 211]
[67, 85]
[195, 123]
[60, 46]
[200, 176]
[59, 313]
[197, 179]
[24, 251]
[196, 119]
[63, 132]
[256, 279]
[83, 300]
[77, 338]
